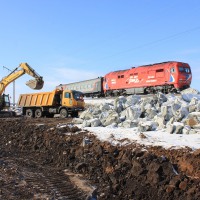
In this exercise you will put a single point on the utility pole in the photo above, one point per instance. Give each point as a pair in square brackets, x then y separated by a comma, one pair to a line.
[13, 85]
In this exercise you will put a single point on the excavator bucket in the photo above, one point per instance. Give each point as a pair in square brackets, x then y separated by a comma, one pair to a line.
[35, 84]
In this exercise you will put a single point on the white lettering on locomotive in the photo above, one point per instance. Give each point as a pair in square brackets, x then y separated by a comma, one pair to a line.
[133, 80]
[113, 81]
[150, 81]
[151, 76]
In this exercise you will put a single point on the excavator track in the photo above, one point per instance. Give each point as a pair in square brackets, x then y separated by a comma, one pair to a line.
[5, 114]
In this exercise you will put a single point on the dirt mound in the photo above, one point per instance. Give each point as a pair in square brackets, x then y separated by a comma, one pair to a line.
[117, 172]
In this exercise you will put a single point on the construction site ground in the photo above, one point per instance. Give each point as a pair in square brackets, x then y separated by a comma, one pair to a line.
[49, 158]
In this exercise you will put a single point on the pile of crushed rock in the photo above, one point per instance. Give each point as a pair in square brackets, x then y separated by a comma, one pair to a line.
[177, 114]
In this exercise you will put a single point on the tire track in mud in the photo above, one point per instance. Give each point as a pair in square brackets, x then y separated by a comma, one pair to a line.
[57, 185]
[40, 182]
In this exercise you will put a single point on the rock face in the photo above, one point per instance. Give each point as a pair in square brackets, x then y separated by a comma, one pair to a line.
[117, 172]
[178, 114]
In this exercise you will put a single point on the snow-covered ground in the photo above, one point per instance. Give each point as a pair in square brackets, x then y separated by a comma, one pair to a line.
[125, 136]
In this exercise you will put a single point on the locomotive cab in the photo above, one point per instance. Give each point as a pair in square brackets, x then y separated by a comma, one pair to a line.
[182, 76]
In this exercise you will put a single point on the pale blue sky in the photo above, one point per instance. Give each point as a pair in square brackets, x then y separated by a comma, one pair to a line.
[74, 40]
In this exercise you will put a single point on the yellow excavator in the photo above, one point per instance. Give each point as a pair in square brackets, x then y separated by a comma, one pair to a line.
[36, 84]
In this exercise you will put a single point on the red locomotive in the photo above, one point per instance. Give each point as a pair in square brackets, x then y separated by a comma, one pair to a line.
[165, 77]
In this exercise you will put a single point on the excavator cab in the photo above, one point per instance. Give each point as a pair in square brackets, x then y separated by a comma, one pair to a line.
[4, 101]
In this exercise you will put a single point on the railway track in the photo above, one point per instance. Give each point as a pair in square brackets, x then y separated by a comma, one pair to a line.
[90, 101]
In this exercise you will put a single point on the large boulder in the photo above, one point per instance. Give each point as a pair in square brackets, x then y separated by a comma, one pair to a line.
[113, 117]
[77, 121]
[106, 107]
[190, 91]
[193, 119]
[86, 115]
[161, 97]
[128, 124]
[119, 104]
[86, 123]
[160, 120]
[175, 128]
[150, 113]
[132, 100]
[179, 112]
[95, 122]
[189, 97]
[147, 126]
[132, 113]
[166, 112]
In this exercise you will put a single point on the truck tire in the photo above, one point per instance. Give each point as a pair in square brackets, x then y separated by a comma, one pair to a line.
[63, 113]
[38, 113]
[29, 113]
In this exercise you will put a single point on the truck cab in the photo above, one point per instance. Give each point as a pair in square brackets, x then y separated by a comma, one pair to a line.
[72, 98]
[73, 101]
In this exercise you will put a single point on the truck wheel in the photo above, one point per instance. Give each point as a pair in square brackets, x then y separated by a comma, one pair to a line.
[38, 113]
[63, 113]
[29, 113]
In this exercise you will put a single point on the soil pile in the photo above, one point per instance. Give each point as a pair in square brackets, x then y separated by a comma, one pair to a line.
[46, 147]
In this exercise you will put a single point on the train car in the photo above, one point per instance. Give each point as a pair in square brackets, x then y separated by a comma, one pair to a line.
[165, 77]
[90, 88]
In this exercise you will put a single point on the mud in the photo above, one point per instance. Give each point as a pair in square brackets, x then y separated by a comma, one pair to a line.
[51, 159]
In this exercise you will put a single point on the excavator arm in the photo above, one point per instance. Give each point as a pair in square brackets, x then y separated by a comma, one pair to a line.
[23, 68]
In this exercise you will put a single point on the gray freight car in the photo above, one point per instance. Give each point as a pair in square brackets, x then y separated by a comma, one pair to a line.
[90, 88]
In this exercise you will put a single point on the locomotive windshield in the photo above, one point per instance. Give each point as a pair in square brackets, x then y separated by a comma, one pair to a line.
[184, 70]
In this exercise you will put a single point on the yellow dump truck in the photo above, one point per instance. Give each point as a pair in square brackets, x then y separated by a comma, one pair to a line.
[46, 104]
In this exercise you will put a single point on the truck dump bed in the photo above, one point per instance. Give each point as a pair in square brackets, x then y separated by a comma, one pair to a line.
[37, 99]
